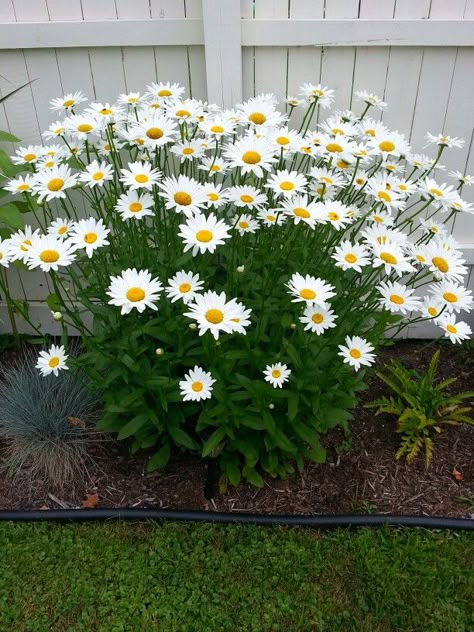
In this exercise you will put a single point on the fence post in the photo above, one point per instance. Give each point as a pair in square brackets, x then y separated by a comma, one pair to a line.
[223, 50]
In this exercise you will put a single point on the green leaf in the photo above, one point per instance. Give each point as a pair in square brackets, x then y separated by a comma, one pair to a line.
[53, 302]
[11, 216]
[317, 454]
[7, 137]
[213, 442]
[252, 476]
[134, 425]
[181, 438]
[160, 458]
[293, 406]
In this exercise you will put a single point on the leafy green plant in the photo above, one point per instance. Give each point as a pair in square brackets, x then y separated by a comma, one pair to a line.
[422, 406]
[46, 422]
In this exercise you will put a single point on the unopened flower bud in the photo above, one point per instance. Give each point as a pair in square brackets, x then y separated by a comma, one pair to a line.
[240, 268]
[159, 351]
[293, 326]
[218, 343]
[271, 406]
[193, 326]
[57, 315]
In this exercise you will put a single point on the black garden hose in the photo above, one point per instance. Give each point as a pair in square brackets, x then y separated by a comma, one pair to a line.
[318, 522]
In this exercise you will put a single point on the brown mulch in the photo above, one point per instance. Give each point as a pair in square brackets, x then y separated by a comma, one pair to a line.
[366, 478]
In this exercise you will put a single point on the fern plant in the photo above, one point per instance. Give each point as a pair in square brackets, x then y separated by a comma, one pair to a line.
[422, 406]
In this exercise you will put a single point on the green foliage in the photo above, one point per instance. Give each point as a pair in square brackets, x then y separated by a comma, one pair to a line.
[422, 406]
[45, 421]
[204, 578]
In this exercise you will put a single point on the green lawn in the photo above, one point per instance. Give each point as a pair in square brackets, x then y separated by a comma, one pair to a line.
[123, 577]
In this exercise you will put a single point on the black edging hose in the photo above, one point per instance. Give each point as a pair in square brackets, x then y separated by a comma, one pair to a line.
[318, 522]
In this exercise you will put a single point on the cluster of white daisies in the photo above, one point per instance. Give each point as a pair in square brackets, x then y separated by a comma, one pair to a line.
[231, 173]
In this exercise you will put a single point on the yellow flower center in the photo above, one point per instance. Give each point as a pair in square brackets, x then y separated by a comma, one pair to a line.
[387, 145]
[301, 212]
[98, 175]
[306, 150]
[107, 147]
[58, 131]
[164, 93]
[132, 100]
[397, 299]
[214, 168]
[334, 148]
[214, 316]
[55, 184]
[337, 130]
[184, 288]
[282, 140]
[135, 207]
[135, 294]
[105, 111]
[187, 151]
[350, 258]
[213, 197]
[402, 187]
[271, 218]
[183, 113]
[141, 178]
[84, 127]
[244, 225]
[68, 103]
[436, 192]
[451, 328]
[90, 238]
[183, 198]
[139, 141]
[247, 199]
[62, 230]
[317, 319]
[276, 373]
[355, 353]
[217, 129]
[432, 311]
[388, 258]
[307, 294]
[342, 164]
[25, 246]
[204, 235]
[378, 219]
[50, 163]
[287, 186]
[258, 118]
[420, 258]
[317, 93]
[53, 362]
[450, 297]
[49, 256]
[440, 263]
[251, 157]
[29, 157]
[23, 187]
[154, 133]
[383, 195]
[360, 181]
[333, 216]
[326, 180]
[370, 132]
[197, 386]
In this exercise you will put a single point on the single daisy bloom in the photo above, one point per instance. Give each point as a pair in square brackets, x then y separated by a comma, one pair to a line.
[260, 113]
[445, 263]
[184, 286]
[381, 217]
[382, 233]
[462, 178]
[27, 155]
[212, 312]
[213, 165]
[68, 101]
[134, 205]
[246, 224]
[294, 102]
[431, 308]
[54, 131]
[336, 127]
[380, 188]
[461, 206]
[20, 243]
[183, 194]
[140, 175]
[444, 141]
[106, 111]
[430, 227]
[287, 183]
[96, 174]
[301, 210]
[155, 130]
[51, 183]
[370, 128]
[165, 90]
[442, 193]
[405, 187]
[271, 217]
[309, 289]
[203, 234]
[327, 177]
[217, 127]
[247, 196]
[197, 385]
[397, 298]
[89, 234]
[131, 98]
[370, 99]
[455, 297]
[5, 253]
[216, 196]
[52, 361]
[455, 331]
[48, 252]
[61, 227]
[188, 150]
[390, 143]
[322, 94]
[21, 184]
[350, 256]
[285, 140]
[134, 289]
[339, 148]
[357, 352]
[186, 111]
[81, 126]
[318, 318]
[391, 257]
[277, 374]
[335, 213]
[251, 154]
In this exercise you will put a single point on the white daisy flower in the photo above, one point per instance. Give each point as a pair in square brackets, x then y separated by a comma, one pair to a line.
[155, 130]
[27, 155]
[183, 194]
[445, 263]
[357, 352]
[444, 141]
[260, 113]
[54, 130]
[251, 154]
[96, 174]
[5, 252]
[339, 148]
[271, 217]
[61, 227]
[131, 98]
[20, 243]
[462, 178]
[461, 206]
[187, 150]
[165, 90]
[134, 289]
[301, 210]
[430, 227]
[52, 183]
[197, 385]
[370, 128]
[247, 196]
[322, 94]
[336, 127]
[277, 374]
[49, 252]
[318, 318]
[294, 102]
[287, 183]
[336, 213]
[370, 99]
[397, 298]
[213, 165]
[379, 233]
[442, 193]
[431, 308]
[68, 101]
[203, 234]
[455, 297]
[185, 111]
[134, 205]
[184, 286]
[216, 196]
[380, 188]
[381, 217]
[390, 143]
[217, 127]
[309, 289]
[391, 257]
[455, 331]
[109, 113]
[212, 312]
[21, 184]
[89, 234]
[327, 177]
[52, 361]
[350, 256]
[246, 224]
[81, 126]
[140, 175]
[285, 140]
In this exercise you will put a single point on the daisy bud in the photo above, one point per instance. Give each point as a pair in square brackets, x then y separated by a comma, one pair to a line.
[159, 351]
[240, 268]
[218, 343]
[293, 326]
[193, 326]
[271, 406]
[57, 315]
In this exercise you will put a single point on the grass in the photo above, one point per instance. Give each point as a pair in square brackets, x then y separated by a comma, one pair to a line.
[191, 578]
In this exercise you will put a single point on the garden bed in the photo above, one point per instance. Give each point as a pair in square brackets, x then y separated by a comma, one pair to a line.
[364, 478]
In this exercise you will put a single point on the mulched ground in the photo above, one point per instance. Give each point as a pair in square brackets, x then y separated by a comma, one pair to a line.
[364, 479]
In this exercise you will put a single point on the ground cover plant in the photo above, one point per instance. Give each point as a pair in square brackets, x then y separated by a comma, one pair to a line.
[241, 274]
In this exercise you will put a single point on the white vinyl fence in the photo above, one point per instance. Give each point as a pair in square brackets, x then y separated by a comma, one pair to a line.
[417, 54]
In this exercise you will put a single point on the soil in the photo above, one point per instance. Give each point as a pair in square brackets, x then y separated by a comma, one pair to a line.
[364, 478]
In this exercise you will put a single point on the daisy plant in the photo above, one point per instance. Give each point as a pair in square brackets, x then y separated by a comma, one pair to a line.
[232, 277]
